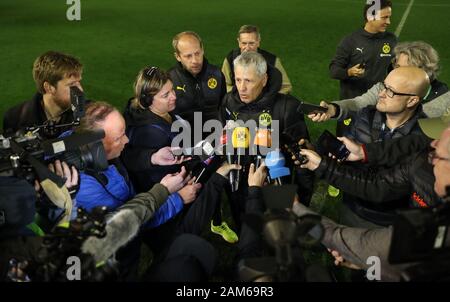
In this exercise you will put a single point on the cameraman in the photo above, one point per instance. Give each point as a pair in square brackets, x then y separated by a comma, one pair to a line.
[54, 73]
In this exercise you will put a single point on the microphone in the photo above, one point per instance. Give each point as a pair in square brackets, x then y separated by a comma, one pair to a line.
[240, 141]
[275, 162]
[263, 139]
[205, 163]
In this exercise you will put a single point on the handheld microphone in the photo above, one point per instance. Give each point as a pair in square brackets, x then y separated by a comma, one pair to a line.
[205, 163]
[263, 140]
[240, 141]
[275, 162]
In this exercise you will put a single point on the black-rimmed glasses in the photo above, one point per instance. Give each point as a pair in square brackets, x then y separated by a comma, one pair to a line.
[391, 93]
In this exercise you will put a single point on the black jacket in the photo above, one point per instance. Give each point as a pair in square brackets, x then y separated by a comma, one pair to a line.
[390, 152]
[202, 93]
[31, 113]
[413, 177]
[375, 50]
[147, 132]
[279, 107]
[437, 88]
[369, 125]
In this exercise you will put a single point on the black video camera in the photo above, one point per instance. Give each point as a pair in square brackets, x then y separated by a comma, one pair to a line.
[24, 155]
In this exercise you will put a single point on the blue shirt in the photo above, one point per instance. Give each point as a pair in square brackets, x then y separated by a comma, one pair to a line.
[117, 192]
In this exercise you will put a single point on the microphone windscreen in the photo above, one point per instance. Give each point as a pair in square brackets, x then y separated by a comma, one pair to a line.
[241, 137]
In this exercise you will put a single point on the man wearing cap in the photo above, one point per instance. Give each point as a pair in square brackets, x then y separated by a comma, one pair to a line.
[427, 177]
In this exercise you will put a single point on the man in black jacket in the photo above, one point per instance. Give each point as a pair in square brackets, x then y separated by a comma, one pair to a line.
[256, 98]
[356, 245]
[199, 85]
[395, 115]
[363, 57]
[54, 73]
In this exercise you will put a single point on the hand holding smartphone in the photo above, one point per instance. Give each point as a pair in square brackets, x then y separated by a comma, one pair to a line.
[311, 108]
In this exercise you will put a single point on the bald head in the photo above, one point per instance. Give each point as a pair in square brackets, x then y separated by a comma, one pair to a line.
[411, 80]
[188, 48]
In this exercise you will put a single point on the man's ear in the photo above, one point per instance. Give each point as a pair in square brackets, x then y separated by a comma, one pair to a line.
[413, 101]
[175, 54]
[48, 88]
[265, 80]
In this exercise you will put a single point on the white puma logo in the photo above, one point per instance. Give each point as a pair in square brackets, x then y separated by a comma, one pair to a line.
[182, 88]
[360, 49]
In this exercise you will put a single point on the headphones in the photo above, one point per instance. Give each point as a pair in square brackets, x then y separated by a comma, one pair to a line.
[145, 100]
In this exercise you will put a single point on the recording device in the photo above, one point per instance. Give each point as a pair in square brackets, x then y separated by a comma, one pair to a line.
[240, 140]
[422, 236]
[25, 155]
[285, 233]
[292, 147]
[307, 108]
[362, 65]
[327, 143]
[275, 162]
[51, 261]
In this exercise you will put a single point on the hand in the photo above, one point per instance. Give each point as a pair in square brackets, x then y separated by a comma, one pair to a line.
[62, 170]
[314, 159]
[355, 71]
[340, 261]
[225, 169]
[325, 116]
[165, 157]
[189, 192]
[257, 178]
[357, 152]
[174, 182]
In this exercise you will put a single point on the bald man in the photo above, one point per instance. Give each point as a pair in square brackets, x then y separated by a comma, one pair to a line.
[199, 86]
[395, 115]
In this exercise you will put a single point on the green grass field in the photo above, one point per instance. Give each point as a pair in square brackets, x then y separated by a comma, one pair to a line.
[116, 38]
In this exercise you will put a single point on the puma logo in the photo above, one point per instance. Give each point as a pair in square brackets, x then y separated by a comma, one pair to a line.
[182, 88]
[360, 49]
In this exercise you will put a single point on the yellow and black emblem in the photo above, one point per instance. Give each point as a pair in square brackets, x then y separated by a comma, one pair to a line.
[386, 48]
[265, 119]
[212, 83]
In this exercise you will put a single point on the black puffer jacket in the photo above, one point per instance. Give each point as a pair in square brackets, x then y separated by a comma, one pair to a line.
[369, 125]
[147, 132]
[201, 93]
[413, 177]
[279, 107]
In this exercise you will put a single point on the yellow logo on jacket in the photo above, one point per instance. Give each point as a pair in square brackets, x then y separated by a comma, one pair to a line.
[212, 83]
[386, 48]
[265, 119]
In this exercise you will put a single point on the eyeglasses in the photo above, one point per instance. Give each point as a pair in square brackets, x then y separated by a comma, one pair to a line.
[391, 93]
[433, 156]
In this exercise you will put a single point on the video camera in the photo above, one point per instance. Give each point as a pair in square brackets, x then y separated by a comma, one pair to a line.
[286, 234]
[50, 263]
[24, 155]
[422, 236]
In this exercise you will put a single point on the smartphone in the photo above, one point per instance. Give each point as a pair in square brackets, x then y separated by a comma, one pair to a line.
[362, 65]
[311, 108]
[328, 143]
